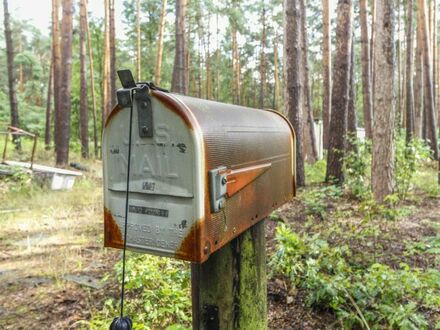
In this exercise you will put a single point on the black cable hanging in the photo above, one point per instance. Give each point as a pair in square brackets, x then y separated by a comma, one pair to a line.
[124, 322]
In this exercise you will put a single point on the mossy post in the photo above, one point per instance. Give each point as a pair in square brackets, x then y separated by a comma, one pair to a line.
[229, 290]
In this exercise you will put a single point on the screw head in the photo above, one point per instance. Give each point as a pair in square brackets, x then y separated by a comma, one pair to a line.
[224, 181]
[144, 129]
[220, 204]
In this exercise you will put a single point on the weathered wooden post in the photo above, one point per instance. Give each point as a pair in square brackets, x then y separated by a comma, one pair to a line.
[201, 178]
[229, 290]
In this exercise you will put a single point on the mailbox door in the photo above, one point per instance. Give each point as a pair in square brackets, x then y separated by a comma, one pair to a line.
[166, 186]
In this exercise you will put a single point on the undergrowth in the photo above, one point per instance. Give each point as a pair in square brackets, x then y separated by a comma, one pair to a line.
[370, 297]
[157, 294]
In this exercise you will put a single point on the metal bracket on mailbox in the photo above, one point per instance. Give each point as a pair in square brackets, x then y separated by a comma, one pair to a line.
[217, 188]
[145, 112]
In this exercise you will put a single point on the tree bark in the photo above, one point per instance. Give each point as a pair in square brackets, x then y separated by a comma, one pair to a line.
[235, 59]
[277, 89]
[138, 40]
[112, 55]
[15, 119]
[47, 135]
[292, 77]
[160, 43]
[56, 59]
[309, 122]
[372, 43]
[63, 115]
[382, 168]
[351, 109]
[427, 70]
[366, 70]
[418, 88]
[263, 60]
[208, 60]
[83, 104]
[326, 79]
[341, 77]
[180, 81]
[409, 72]
[106, 86]
[92, 86]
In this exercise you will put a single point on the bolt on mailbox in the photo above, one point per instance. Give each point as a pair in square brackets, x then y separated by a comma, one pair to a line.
[201, 172]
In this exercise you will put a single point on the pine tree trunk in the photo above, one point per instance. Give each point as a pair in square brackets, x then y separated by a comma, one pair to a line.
[180, 71]
[56, 59]
[418, 88]
[83, 104]
[292, 77]
[92, 86]
[309, 122]
[208, 61]
[372, 43]
[138, 39]
[20, 69]
[382, 171]
[340, 91]
[409, 72]
[160, 43]
[326, 80]
[351, 109]
[15, 120]
[277, 94]
[106, 87]
[47, 135]
[263, 60]
[218, 64]
[235, 57]
[429, 88]
[366, 70]
[112, 55]
[63, 115]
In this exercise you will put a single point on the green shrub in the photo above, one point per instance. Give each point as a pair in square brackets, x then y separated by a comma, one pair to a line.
[157, 294]
[316, 200]
[374, 296]
[409, 159]
[356, 168]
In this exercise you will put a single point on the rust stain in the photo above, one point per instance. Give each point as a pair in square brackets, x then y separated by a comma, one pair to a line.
[112, 113]
[174, 105]
[195, 247]
[112, 233]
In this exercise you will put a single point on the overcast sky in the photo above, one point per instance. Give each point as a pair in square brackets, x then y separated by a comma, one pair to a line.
[38, 12]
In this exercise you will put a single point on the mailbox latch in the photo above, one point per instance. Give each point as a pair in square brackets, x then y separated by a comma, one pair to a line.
[224, 182]
[144, 111]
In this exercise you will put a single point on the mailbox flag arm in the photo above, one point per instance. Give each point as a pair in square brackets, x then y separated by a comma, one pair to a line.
[225, 183]
[240, 178]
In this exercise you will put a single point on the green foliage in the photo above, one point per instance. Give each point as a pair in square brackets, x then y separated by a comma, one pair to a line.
[316, 200]
[315, 173]
[158, 294]
[356, 168]
[409, 159]
[376, 295]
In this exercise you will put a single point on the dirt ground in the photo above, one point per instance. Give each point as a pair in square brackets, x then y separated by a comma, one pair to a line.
[52, 260]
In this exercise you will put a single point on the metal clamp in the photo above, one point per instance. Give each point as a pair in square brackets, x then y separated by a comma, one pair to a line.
[217, 188]
[144, 112]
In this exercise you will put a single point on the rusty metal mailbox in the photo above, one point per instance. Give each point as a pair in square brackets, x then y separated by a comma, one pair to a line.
[201, 172]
